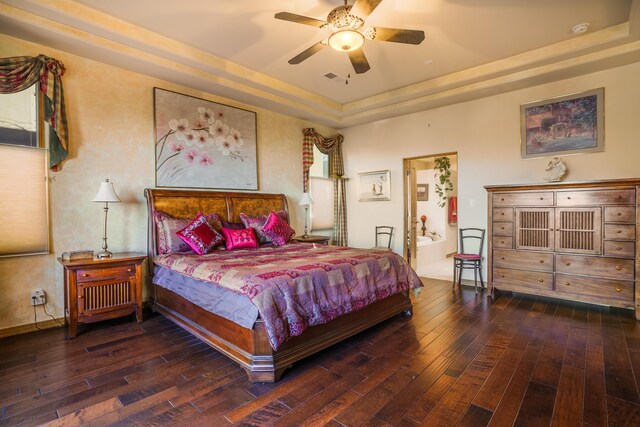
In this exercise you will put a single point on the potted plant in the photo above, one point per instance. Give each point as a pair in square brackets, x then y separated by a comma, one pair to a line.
[443, 178]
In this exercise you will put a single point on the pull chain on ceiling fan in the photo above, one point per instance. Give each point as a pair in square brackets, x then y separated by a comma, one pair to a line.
[346, 24]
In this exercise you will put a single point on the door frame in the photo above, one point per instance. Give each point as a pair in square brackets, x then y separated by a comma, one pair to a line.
[409, 237]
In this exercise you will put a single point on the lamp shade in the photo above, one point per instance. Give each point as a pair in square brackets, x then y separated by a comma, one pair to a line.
[306, 200]
[106, 193]
[346, 40]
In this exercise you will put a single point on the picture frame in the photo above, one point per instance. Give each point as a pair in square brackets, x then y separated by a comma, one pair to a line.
[374, 186]
[567, 124]
[422, 192]
[203, 144]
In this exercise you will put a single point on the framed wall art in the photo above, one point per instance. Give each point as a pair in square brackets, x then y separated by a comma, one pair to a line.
[422, 192]
[203, 144]
[374, 186]
[564, 125]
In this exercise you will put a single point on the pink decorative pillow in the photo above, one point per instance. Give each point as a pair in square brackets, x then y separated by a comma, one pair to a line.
[200, 236]
[257, 222]
[167, 227]
[277, 230]
[239, 239]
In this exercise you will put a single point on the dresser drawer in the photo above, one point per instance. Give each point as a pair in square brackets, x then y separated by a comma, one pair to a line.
[621, 249]
[621, 214]
[619, 232]
[602, 290]
[528, 280]
[541, 261]
[87, 275]
[596, 197]
[541, 198]
[501, 228]
[611, 268]
[503, 242]
[503, 214]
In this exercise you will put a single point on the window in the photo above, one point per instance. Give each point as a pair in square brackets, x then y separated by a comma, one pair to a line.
[24, 225]
[321, 189]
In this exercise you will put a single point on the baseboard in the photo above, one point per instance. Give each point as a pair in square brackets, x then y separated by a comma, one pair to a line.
[30, 327]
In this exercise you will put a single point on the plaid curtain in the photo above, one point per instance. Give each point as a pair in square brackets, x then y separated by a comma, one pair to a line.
[20, 72]
[331, 146]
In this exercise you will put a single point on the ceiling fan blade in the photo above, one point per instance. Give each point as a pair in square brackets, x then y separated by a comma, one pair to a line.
[308, 52]
[399, 36]
[363, 8]
[292, 17]
[359, 61]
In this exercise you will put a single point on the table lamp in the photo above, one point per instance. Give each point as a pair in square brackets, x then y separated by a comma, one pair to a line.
[106, 194]
[306, 201]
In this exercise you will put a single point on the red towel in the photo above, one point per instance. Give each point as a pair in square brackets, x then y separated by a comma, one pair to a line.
[453, 210]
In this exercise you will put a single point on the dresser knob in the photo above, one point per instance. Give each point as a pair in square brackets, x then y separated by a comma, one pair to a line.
[541, 198]
[502, 213]
[619, 248]
[568, 197]
[618, 290]
[567, 263]
[541, 261]
[619, 196]
[619, 231]
[619, 213]
[129, 270]
[540, 280]
[502, 241]
[618, 267]
[567, 284]
[501, 257]
[85, 275]
[502, 275]
[502, 199]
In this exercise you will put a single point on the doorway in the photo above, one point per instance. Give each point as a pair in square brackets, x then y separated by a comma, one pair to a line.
[431, 223]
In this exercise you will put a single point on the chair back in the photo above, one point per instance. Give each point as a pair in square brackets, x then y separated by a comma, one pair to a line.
[383, 236]
[471, 240]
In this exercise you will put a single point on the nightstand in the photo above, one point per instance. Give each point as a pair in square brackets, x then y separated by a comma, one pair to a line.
[100, 289]
[323, 240]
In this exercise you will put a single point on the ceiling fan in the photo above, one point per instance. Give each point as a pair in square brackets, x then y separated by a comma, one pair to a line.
[346, 24]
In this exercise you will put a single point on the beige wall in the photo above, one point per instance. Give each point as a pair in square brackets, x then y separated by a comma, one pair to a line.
[486, 135]
[110, 112]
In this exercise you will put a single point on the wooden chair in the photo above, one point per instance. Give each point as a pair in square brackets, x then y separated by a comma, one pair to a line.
[469, 258]
[383, 232]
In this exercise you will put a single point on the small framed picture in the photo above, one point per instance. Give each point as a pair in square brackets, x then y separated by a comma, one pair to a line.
[422, 192]
[374, 186]
[565, 125]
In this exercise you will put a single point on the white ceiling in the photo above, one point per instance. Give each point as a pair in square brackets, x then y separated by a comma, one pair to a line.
[237, 49]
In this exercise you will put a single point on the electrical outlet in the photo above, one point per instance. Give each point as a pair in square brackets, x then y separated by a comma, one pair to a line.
[38, 297]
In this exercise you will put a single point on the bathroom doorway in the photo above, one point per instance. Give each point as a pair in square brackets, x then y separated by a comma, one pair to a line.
[431, 222]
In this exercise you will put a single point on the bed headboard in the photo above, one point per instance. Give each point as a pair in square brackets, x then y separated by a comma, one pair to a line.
[228, 205]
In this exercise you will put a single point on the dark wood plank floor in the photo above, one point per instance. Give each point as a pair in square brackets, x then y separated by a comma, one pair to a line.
[460, 360]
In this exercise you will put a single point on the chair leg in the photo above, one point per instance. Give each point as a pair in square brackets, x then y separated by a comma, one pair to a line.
[475, 279]
[455, 269]
[480, 269]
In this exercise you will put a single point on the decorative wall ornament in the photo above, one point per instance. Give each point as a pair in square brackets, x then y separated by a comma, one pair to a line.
[374, 186]
[564, 125]
[556, 169]
[203, 144]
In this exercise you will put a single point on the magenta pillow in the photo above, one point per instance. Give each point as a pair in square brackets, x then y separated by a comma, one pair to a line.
[239, 239]
[257, 222]
[200, 236]
[277, 230]
[167, 227]
[232, 225]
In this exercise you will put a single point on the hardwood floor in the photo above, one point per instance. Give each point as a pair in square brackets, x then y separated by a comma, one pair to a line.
[460, 360]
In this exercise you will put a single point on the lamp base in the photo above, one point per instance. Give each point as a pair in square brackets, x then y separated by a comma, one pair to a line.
[104, 254]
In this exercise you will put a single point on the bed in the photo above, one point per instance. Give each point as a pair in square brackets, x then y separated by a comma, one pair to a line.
[252, 342]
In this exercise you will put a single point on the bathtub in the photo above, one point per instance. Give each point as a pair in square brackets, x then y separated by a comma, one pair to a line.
[429, 251]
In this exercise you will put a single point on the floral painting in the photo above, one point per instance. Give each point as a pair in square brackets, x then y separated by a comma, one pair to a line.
[203, 144]
[565, 125]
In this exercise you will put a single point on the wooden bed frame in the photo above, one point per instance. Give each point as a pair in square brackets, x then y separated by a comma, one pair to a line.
[250, 347]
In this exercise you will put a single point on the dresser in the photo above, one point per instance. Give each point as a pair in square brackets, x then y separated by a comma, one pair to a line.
[575, 241]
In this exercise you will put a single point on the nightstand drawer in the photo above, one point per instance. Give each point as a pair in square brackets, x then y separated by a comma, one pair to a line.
[91, 274]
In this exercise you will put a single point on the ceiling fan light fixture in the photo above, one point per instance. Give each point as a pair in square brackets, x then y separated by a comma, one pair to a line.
[346, 40]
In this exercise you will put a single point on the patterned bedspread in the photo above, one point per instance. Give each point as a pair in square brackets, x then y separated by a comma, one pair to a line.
[300, 285]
